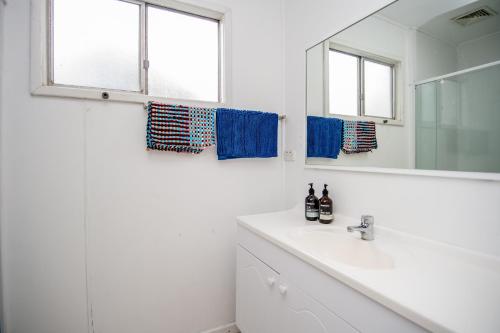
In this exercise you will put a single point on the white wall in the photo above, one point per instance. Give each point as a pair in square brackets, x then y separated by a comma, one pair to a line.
[462, 212]
[1, 158]
[159, 228]
[479, 51]
[316, 81]
[434, 57]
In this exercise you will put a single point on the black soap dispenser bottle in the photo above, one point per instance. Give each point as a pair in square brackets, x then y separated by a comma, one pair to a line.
[325, 208]
[312, 205]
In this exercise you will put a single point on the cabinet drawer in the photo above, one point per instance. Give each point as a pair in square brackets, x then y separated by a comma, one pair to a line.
[303, 314]
[256, 299]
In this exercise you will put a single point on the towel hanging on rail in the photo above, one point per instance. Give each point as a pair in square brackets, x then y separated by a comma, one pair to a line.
[246, 134]
[180, 128]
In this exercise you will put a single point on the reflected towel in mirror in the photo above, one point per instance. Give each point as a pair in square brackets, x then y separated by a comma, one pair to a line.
[359, 137]
[324, 137]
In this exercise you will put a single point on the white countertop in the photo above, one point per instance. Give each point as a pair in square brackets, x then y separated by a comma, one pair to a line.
[440, 287]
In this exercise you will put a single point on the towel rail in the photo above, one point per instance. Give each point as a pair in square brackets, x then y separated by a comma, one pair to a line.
[280, 116]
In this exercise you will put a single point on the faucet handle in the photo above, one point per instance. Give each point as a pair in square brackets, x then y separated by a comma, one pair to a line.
[367, 219]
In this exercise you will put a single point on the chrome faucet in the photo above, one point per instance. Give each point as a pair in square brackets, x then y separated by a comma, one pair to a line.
[366, 227]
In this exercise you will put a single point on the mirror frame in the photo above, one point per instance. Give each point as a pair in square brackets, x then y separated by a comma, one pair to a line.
[467, 175]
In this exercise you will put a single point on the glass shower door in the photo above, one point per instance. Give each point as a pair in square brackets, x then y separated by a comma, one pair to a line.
[458, 122]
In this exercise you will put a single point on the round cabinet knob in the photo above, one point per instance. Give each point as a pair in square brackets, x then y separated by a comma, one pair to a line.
[271, 281]
[283, 289]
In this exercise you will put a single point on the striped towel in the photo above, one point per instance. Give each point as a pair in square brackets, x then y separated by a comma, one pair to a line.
[180, 128]
[359, 136]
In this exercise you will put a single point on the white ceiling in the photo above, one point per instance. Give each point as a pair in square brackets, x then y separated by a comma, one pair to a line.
[444, 28]
[415, 13]
[434, 18]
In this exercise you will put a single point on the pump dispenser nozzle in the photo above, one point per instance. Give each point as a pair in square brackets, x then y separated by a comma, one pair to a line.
[325, 191]
[311, 190]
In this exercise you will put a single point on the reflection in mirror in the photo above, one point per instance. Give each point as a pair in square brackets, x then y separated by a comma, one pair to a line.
[416, 86]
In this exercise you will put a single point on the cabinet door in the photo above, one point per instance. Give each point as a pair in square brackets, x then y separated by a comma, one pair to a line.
[301, 313]
[257, 300]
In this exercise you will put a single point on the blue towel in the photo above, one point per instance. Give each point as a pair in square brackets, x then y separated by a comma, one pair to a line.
[246, 134]
[324, 137]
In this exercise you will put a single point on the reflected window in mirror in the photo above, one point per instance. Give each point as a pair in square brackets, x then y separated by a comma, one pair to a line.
[344, 83]
[378, 93]
[360, 84]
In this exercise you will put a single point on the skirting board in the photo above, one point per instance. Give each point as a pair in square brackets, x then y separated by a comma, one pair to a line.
[229, 328]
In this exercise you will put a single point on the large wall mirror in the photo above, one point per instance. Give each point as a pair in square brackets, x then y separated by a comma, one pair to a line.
[414, 86]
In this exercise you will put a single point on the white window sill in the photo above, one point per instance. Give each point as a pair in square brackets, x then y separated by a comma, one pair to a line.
[380, 121]
[116, 96]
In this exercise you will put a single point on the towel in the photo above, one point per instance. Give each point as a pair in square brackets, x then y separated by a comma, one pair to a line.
[180, 128]
[324, 137]
[246, 134]
[359, 137]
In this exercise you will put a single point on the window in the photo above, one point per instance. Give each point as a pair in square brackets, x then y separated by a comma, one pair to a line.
[102, 52]
[360, 86]
[183, 64]
[136, 50]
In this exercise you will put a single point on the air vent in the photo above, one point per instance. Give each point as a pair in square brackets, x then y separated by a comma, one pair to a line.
[474, 16]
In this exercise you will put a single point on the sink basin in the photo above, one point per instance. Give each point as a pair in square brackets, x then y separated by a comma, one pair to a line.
[335, 244]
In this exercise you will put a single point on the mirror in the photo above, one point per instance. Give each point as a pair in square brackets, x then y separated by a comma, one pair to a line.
[414, 86]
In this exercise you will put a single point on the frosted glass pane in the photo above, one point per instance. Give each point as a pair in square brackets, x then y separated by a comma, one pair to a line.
[96, 44]
[477, 127]
[426, 126]
[378, 90]
[449, 97]
[343, 84]
[183, 51]
[426, 114]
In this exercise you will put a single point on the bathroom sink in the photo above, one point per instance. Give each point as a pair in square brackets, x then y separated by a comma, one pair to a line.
[335, 244]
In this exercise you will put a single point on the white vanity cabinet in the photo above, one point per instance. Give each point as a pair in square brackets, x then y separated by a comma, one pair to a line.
[276, 292]
[267, 303]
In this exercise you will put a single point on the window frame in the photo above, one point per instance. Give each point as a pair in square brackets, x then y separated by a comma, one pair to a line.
[396, 83]
[42, 83]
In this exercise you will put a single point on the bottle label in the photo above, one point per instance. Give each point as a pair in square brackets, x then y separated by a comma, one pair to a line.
[325, 212]
[328, 217]
[311, 210]
[312, 214]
